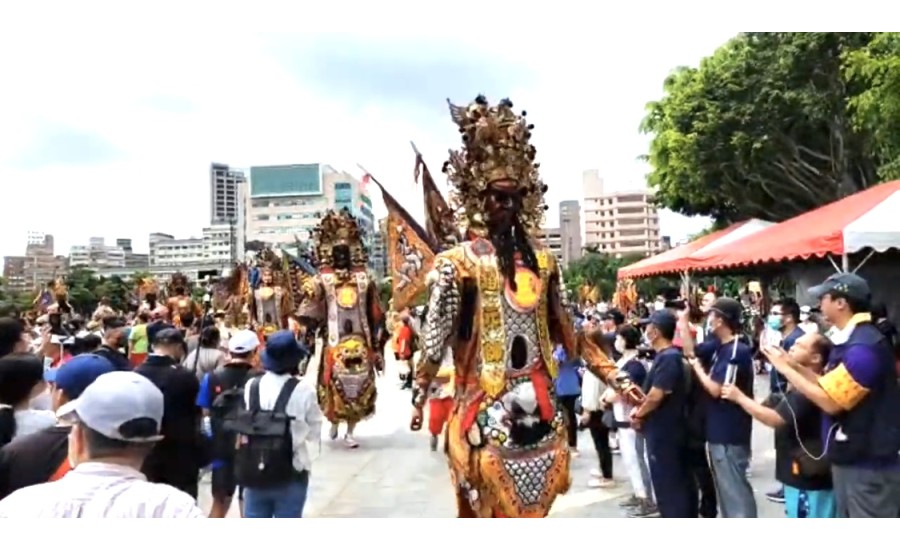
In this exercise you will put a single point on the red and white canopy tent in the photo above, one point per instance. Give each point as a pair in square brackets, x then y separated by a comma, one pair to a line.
[677, 260]
[869, 219]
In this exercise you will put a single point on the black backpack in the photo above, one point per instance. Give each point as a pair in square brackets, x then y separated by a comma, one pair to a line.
[265, 452]
[227, 384]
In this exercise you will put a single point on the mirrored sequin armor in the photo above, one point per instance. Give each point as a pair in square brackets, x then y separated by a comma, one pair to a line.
[506, 437]
[343, 298]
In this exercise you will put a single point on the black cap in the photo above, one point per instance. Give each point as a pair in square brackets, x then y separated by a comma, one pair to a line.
[849, 285]
[615, 316]
[662, 319]
[728, 309]
[163, 333]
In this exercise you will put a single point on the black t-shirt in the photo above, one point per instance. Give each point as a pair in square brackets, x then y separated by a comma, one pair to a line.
[667, 373]
[33, 459]
[790, 459]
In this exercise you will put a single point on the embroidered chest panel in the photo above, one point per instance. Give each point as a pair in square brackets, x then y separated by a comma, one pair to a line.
[514, 334]
[345, 301]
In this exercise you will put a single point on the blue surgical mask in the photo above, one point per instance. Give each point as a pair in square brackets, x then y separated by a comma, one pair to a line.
[775, 322]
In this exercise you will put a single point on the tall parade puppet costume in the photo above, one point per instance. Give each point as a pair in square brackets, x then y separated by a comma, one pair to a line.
[497, 304]
[270, 301]
[148, 297]
[181, 306]
[343, 296]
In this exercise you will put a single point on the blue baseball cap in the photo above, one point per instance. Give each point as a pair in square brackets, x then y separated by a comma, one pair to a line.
[662, 318]
[79, 372]
[282, 353]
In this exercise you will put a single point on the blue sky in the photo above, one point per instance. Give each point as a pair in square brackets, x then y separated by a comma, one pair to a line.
[109, 129]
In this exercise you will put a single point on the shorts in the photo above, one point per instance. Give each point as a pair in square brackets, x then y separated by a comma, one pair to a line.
[224, 481]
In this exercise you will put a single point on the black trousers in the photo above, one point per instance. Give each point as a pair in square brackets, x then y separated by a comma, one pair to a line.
[568, 405]
[698, 464]
[673, 484]
[600, 435]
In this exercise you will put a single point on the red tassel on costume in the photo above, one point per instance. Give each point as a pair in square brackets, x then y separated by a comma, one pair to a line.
[539, 381]
[471, 412]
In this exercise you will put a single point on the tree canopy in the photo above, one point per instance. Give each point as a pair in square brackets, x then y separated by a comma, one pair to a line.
[774, 124]
[85, 292]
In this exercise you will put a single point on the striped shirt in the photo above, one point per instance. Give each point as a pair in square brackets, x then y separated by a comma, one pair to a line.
[98, 490]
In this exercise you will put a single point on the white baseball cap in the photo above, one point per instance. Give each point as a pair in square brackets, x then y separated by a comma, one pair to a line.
[243, 341]
[121, 405]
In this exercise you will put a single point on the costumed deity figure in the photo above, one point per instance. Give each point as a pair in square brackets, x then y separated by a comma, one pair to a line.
[148, 297]
[270, 300]
[232, 297]
[343, 297]
[179, 303]
[497, 304]
[60, 302]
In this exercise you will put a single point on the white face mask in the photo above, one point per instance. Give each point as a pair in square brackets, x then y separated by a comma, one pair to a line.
[659, 306]
[804, 317]
[620, 345]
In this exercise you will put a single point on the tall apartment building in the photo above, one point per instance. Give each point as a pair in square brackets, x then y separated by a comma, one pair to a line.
[286, 202]
[570, 231]
[225, 186]
[36, 268]
[623, 223]
[551, 237]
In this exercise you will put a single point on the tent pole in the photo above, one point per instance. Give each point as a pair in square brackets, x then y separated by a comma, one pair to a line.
[863, 262]
[845, 262]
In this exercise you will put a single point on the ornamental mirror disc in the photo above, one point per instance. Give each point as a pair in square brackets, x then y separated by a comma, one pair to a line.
[528, 290]
[346, 297]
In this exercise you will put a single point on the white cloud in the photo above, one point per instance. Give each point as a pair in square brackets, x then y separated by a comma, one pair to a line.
[171, 92]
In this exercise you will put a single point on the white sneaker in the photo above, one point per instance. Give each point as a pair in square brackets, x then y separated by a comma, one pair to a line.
[350, 442]
[596, 473]
[601, 483]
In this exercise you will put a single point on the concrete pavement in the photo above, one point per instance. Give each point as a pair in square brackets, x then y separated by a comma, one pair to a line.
[394, 474]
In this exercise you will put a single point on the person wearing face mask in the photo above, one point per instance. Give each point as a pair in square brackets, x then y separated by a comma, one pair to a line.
[728, 426]
[115, 423]
[784, 317]
[631, 444]
[661, 420]
[176, 460]
[43, 455]
[859, 397]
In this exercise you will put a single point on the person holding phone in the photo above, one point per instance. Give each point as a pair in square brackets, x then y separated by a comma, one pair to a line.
[728, 426]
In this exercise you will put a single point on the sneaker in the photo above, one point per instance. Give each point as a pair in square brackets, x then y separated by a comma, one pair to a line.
[350, 442]
[776, 496]
[645, 510]
[596, 473]
[601, 483]
[334, 431]
[631, 502]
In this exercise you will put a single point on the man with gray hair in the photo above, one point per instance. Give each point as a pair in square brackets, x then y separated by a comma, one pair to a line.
[115, 423]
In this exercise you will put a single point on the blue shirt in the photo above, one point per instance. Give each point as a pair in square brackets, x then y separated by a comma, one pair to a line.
[726, 422]
[666, 422]
[568, 382]
[205, 399]
[777, 382]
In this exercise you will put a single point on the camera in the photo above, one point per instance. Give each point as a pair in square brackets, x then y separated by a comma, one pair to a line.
[646, 353]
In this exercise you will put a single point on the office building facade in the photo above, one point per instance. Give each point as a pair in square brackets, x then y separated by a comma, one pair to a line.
[570, 231]
[37, 267]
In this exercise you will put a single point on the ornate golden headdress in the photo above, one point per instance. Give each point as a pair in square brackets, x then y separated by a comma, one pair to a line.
[340, 228]
[147, 285]
[496, 146]
[179, 280]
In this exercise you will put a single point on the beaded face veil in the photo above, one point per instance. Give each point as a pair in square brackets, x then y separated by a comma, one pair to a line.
[496, 147]
[340, 229]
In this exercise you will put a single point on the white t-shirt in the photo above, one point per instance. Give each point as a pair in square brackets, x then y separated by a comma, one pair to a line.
[29, 421]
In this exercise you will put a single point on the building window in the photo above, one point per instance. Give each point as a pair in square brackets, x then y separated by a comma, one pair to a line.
[296, 179]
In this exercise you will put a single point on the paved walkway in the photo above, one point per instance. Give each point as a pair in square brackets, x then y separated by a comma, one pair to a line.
[394, 474]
